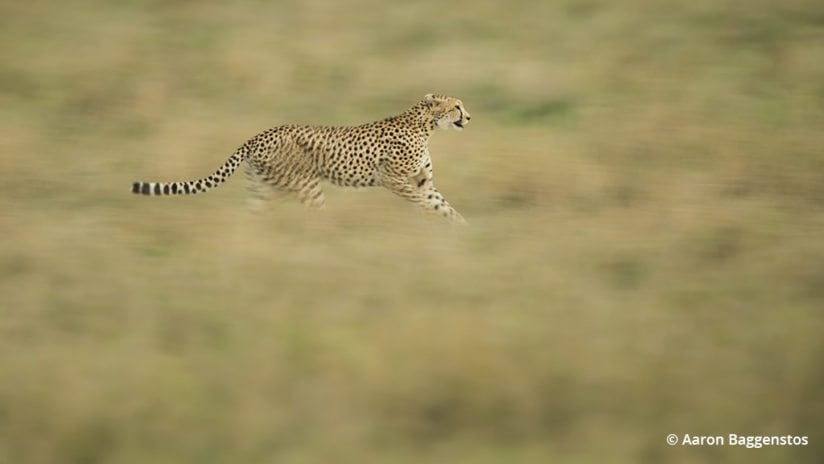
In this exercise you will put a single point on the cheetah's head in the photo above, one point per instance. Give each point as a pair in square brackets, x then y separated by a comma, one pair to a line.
[447, 111]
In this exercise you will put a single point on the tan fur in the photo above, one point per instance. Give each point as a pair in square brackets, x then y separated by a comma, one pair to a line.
[392, 153]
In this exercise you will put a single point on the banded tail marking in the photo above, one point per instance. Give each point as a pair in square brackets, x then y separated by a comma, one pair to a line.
[193, 187]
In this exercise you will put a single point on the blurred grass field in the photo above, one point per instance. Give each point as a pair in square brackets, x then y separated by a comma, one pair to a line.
[644, 182]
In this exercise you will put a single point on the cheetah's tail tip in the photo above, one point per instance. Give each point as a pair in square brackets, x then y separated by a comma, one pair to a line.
[144, 188]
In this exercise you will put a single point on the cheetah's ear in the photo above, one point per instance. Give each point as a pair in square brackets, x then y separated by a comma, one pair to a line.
[429, 98]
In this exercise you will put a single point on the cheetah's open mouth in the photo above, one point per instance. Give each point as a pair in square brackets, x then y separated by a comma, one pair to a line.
[458, 125]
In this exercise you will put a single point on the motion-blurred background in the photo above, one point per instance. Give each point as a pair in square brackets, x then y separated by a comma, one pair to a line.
[644, 181]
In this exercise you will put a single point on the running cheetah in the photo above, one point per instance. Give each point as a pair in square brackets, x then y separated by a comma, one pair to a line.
[392, 153]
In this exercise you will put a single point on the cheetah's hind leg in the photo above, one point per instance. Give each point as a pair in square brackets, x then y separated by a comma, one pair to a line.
[259, 191]
[311, 195]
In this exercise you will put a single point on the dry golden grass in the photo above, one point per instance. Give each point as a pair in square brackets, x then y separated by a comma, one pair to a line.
[644, 180]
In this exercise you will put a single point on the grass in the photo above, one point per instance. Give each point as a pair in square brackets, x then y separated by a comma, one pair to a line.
[643, 179]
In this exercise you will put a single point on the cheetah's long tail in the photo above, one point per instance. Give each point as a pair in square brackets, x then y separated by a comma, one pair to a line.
[193, 187]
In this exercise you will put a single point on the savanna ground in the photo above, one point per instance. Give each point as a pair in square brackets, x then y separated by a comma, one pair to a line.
[644, 182]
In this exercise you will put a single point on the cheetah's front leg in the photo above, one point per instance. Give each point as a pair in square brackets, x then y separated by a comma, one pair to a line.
[423, 181]
[422, 191]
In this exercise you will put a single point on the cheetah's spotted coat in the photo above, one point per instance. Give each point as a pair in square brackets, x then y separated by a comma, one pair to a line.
[391, 153]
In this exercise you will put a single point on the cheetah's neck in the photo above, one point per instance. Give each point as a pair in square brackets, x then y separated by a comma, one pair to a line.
[417, 117]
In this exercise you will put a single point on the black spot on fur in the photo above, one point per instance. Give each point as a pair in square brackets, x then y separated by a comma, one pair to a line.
[144, 189]
[421, 182]
[174, 188]
[136, 187]
[157, 189]
[166, 189]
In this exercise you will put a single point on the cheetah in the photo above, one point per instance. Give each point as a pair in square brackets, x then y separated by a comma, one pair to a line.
[391, 153]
